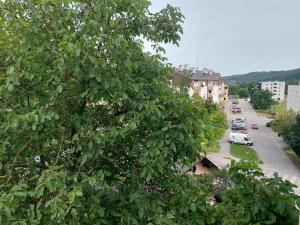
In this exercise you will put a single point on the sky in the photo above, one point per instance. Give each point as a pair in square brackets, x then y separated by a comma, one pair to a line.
[237, 36]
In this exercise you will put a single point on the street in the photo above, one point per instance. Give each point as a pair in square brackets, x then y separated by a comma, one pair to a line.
[268, 146]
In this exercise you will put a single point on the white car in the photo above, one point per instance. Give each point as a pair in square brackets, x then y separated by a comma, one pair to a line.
[240, 138]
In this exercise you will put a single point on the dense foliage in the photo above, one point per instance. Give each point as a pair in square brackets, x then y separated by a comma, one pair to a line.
[242, 89]
[284, 121]
[265, 76]
[243, 93]
[249, 198]
[93, 133]
[262, 99]
[288, 125]
[90, 127]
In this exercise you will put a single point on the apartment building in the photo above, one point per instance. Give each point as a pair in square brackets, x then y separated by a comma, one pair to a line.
[206, 83]
[276, 87]
[293, 98]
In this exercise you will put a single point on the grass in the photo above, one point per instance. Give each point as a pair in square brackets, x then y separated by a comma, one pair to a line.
[263, 113]
[293, 157]
[279, 107]
[243, 152]
[213, 148]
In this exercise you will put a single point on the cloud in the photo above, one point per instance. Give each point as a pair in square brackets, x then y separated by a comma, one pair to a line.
[237, 36]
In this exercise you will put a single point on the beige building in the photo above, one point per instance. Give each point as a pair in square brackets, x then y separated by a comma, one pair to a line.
[293, 98]
[206, 83]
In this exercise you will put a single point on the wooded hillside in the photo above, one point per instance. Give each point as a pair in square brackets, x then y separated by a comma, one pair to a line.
[264, 76]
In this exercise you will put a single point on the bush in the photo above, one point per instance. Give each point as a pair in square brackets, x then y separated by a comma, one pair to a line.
[268, 124]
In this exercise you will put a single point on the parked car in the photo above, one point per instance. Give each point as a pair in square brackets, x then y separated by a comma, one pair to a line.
[237, 120]
[238, 127]
[235, 102]
[240, 138]
[239, 124]
[254, 126]
[236, 109]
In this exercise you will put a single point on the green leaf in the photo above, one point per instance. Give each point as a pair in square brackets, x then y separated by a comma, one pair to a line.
[78, 193]
[10, 70]
[39, 191]
[77, 52]
[193, 207]
[134, 196]
[170, 216]
[59, 88]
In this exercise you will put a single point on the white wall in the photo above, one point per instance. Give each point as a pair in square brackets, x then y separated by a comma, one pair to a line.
[293, 99]
[215, 94]
[276, 87]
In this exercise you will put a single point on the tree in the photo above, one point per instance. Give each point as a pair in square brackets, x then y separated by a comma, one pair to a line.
[288, 125]
[243, 93]
[262, 99]
[91, 131]
[250, 197]
[246, 88]
[251, 86]
[283, 122]
[233, 89]
[292, 135]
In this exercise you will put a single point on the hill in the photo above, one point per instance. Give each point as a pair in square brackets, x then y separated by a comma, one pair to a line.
[265, 76]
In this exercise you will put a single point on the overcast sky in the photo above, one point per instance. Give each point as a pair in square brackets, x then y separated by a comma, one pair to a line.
[237, 36]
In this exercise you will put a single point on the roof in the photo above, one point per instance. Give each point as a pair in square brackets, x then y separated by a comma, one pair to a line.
[179, 79]
[201, 166]
[202, 76]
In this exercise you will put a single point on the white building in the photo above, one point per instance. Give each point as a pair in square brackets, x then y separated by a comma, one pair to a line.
[276, 87]
[293, 98]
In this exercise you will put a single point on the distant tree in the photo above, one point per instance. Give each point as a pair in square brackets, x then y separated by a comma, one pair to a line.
[233, 89]
[288, 125]
[283, 122]
[251, 85]
[243, 92]
[293, 136]
[247, 88]
[262, 99]
[265, 76]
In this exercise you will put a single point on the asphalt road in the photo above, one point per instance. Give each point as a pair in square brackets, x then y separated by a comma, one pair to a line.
[268, 146]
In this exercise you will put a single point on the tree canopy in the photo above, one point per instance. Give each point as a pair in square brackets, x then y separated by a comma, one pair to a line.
[243, 89]
[284, 121]
[262, 99]
[243, 93]
[288, 125]
[93, 133]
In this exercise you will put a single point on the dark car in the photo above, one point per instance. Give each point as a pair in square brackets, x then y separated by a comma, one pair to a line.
[237, 120]
[238, 127]
[254, 126]
[236, 109]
